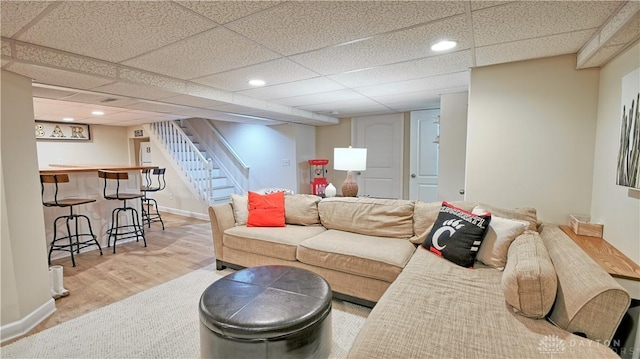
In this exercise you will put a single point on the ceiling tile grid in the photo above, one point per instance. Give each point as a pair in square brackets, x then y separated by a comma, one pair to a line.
[16, 15]
[47, 75]
[329, 23]
[303, 87]
[194, 58]
[388, 48]
[318, 98]
[59, 59]
[227, 11]
[454, 79]
[532, 19]
[207, 53]
[104, 29]
[425, 67]
[273, 72]
[562, 44]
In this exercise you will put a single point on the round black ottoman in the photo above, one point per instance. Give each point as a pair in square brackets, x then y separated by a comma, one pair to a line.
[266, 312]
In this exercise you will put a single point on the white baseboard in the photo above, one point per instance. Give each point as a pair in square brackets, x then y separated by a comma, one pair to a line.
[24, 325]
[184, 213]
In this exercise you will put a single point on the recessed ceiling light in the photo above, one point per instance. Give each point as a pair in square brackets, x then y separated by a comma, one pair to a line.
[97, 113]
[68, 119]
[257, 82]
[444, 45]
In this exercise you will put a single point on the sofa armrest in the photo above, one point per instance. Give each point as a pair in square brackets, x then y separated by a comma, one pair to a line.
[222, 218]
[589, 300]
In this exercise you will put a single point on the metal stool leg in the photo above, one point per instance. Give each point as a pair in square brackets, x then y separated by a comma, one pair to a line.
[73, 261]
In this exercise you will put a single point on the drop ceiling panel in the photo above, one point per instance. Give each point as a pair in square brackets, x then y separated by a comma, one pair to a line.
[115, 30]
[51, 93]
[533, 19]
[194, 101]
[17, 14]
[272, 72]
[562, 44]
[398, 46]
[204, 54]
[227, 11]
[431, 66]
[601, 56]
[155, 107]
[329, 23]
[47, 75]
[323, 97]
[137, 91]
[99, 99]
[423, 84]
[426, 103]
[341, 106]
[628, 33]
[297, 88]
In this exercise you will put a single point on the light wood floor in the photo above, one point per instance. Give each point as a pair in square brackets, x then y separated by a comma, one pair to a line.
[184, 246]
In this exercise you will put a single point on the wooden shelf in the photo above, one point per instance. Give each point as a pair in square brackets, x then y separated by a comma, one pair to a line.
[607, 256]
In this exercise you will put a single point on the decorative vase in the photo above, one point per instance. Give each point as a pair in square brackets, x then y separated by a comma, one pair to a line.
[330, 190]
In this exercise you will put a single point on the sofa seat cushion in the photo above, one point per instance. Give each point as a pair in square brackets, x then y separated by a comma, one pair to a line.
[375, 257]
[277, 242]
[437, 309]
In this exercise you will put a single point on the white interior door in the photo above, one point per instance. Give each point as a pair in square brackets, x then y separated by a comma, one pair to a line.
[423, 181]
[145, 153]
[382, 137]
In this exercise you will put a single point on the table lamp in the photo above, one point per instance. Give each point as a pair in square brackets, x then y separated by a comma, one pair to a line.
[350, 159]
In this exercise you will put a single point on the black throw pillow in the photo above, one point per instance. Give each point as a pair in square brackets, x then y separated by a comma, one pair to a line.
[457, 234]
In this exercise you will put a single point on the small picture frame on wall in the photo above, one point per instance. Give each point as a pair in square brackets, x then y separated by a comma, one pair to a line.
[62, 131]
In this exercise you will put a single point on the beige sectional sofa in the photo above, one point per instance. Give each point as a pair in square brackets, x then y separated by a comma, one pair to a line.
[548, 298]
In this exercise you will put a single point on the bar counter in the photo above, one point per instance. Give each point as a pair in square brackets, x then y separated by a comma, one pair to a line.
[85, 183]
[59, 168]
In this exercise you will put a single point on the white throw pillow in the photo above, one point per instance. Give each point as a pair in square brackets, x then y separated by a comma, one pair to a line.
[240, 205]
[494, 247]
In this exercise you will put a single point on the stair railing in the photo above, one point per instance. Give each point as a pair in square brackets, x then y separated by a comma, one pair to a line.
[186, 153]
[216, 146]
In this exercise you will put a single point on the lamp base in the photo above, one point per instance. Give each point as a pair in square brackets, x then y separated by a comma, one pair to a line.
[349, 187]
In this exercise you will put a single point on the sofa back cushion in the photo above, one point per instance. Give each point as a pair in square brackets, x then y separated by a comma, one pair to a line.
[301, 209]
[375, 217]
[529, 280]
[527, 214]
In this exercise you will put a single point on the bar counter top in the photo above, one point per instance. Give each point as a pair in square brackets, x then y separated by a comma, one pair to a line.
[69, 168]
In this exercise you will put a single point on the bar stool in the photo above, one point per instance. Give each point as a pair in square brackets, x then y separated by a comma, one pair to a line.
[117, 231]
[147, 216]
[67, 202]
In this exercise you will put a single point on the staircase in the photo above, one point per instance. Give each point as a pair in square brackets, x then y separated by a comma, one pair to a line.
[198, 167]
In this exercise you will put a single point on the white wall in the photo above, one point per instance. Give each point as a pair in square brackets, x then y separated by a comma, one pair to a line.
[264, 148]
[618, 208]
[530, 136]
[25, 293]
[108, 146]
[305, 150]
[452, 148]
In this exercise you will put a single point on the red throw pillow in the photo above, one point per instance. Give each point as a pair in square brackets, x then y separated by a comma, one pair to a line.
[266, 210]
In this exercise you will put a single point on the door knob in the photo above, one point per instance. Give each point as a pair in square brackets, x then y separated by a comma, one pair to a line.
[413, 175]
[461, 191]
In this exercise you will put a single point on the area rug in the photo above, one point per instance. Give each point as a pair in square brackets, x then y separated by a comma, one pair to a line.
[161, 322]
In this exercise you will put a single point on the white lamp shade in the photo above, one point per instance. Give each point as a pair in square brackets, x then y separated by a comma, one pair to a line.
[350, 159]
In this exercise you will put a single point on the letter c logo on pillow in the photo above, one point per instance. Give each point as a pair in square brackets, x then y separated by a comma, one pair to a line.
[438, 233]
